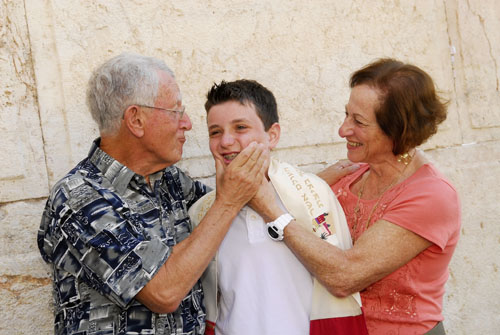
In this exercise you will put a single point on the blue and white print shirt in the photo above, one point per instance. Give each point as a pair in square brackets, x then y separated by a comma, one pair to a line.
[106, 233]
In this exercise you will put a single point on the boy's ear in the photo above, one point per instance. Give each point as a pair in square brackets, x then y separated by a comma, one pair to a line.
[134, 120]
[274, 133]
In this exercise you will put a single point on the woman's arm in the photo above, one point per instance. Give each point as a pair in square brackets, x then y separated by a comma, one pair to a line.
[335, 172]
[381, 250]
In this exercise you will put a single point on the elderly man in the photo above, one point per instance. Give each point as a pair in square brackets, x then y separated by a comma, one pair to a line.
[116, 229]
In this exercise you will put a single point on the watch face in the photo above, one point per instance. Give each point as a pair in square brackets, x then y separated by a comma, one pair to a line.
[272, 233]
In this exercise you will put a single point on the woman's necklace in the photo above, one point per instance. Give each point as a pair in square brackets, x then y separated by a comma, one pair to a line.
[406, 162]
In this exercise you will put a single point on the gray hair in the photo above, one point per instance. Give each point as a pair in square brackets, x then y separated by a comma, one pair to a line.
[122, 81]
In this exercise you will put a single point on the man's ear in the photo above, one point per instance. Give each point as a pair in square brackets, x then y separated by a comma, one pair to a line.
[134, 120]
[274, 133]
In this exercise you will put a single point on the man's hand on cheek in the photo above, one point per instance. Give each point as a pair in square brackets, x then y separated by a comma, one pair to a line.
[238, 182]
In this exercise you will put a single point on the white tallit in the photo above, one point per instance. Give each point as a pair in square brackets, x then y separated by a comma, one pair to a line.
[312, 203]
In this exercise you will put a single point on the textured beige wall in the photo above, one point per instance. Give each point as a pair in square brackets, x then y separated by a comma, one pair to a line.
[303, 51]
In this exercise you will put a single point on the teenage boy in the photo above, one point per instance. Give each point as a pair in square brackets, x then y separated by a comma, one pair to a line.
[256, 285]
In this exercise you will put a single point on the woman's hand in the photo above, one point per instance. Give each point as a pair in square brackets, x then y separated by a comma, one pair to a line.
[335, 172]
[265, 203]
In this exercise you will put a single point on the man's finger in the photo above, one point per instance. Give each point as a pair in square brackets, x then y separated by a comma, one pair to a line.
[262, 165]
[256, 159]
[244, 155]
[249, 155]
[219, 170]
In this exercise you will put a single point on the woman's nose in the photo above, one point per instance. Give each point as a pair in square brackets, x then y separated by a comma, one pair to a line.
[345, 128]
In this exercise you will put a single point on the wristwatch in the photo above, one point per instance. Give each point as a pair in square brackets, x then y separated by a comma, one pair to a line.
[275, 228]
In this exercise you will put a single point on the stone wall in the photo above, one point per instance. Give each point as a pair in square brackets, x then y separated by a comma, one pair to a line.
[303, 51]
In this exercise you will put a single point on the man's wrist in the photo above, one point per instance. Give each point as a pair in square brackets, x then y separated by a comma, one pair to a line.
[227, 208]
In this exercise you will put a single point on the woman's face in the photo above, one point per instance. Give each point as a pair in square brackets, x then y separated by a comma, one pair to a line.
[366, 142]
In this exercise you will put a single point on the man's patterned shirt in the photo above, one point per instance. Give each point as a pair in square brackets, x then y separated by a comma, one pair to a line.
[106, 233]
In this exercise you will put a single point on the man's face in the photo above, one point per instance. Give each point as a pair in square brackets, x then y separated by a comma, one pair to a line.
[233, 126]
[165, 137]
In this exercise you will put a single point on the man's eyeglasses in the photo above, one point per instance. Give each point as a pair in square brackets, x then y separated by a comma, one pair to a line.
[179, 112]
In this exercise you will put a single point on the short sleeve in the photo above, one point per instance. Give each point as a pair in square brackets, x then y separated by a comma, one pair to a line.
[98, 239]
[192, 189]
[428, 207]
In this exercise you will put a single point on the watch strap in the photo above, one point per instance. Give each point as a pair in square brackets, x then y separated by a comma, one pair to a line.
[275, 228]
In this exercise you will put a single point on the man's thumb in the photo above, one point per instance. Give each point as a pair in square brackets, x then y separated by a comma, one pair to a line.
[219, 170]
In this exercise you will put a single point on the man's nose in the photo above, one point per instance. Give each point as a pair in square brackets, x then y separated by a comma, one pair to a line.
[185, 122]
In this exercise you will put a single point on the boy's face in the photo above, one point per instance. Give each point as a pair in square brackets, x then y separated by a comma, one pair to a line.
[233, 126]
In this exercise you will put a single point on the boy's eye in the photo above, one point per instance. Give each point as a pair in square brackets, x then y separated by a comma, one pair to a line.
[241, 126]
[213, 133]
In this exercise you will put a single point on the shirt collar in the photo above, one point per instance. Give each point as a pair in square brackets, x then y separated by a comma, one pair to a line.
[118, 174]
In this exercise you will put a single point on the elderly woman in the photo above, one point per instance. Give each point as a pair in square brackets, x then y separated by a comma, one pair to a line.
[403, 214]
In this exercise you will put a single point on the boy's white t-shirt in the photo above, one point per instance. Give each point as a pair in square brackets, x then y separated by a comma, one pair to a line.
[264, 289]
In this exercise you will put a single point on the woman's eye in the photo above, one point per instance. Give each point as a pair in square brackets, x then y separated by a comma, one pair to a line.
[358, 122]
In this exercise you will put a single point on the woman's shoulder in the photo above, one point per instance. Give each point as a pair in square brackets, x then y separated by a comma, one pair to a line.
[427, 204]
[429, 177]
[428, 191]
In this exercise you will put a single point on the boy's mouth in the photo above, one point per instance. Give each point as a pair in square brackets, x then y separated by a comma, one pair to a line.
[231, 156]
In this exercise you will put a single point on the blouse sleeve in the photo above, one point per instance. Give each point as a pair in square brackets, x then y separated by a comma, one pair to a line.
[429, 207]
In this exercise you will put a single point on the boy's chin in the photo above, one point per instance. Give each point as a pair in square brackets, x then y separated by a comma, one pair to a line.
[226, 162]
